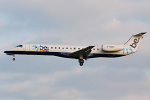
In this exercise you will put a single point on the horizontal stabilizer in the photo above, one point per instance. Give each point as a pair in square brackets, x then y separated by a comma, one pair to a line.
[141, 34]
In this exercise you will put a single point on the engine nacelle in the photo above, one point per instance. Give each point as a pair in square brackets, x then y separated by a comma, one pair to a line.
[112, 48]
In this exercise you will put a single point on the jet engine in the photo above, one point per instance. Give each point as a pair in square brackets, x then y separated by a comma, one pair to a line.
[112, 48]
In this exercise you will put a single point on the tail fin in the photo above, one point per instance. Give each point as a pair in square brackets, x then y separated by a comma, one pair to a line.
[134, 41]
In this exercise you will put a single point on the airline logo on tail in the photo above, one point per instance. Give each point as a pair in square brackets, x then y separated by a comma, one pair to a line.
[134, 44]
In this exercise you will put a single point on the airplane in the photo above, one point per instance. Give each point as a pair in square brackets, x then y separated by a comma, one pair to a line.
[79, 52]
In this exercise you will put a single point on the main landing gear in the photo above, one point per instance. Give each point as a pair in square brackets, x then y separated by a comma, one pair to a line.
[81, 61]
[13, 57]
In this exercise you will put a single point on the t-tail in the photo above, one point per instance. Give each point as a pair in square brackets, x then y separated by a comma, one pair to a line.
[134, 41]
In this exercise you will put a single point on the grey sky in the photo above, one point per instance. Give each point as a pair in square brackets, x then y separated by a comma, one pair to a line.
[74, 22]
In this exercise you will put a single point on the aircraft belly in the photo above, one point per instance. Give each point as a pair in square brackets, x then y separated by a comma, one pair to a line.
[105, 55]
[60, 54]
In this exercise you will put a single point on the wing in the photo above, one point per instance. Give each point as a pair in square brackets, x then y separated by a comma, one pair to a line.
[83, 52]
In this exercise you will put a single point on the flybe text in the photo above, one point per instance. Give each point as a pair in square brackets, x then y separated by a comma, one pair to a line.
[40, 48]
[134, 44]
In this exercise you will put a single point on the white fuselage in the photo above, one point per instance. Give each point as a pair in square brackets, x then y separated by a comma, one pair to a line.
[63, 51]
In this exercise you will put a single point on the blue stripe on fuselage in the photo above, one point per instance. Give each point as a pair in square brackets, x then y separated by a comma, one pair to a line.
[60, 54]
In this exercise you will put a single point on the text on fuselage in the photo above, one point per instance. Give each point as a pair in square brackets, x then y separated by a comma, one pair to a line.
[40, 48]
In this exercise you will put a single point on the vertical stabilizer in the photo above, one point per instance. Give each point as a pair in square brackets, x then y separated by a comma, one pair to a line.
[134, 41]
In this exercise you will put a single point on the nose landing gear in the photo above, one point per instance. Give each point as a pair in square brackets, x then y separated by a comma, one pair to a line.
[13, 57]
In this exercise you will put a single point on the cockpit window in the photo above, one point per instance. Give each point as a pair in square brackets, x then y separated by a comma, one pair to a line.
[19, 46]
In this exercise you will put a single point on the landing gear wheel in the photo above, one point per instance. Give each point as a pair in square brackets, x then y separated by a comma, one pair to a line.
[13, 59]
[81, 61]
[81, 64]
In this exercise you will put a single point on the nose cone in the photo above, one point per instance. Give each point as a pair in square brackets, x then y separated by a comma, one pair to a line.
[5, 51]
[8, 52]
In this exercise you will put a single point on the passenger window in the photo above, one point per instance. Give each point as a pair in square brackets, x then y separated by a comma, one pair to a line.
[51, 47]
[74, 48]
[62, 48]
[55, 47]
[66, 48]
[59, 47]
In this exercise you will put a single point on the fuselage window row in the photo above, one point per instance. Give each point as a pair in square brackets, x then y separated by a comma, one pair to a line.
[63, 48]
[71, 48]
